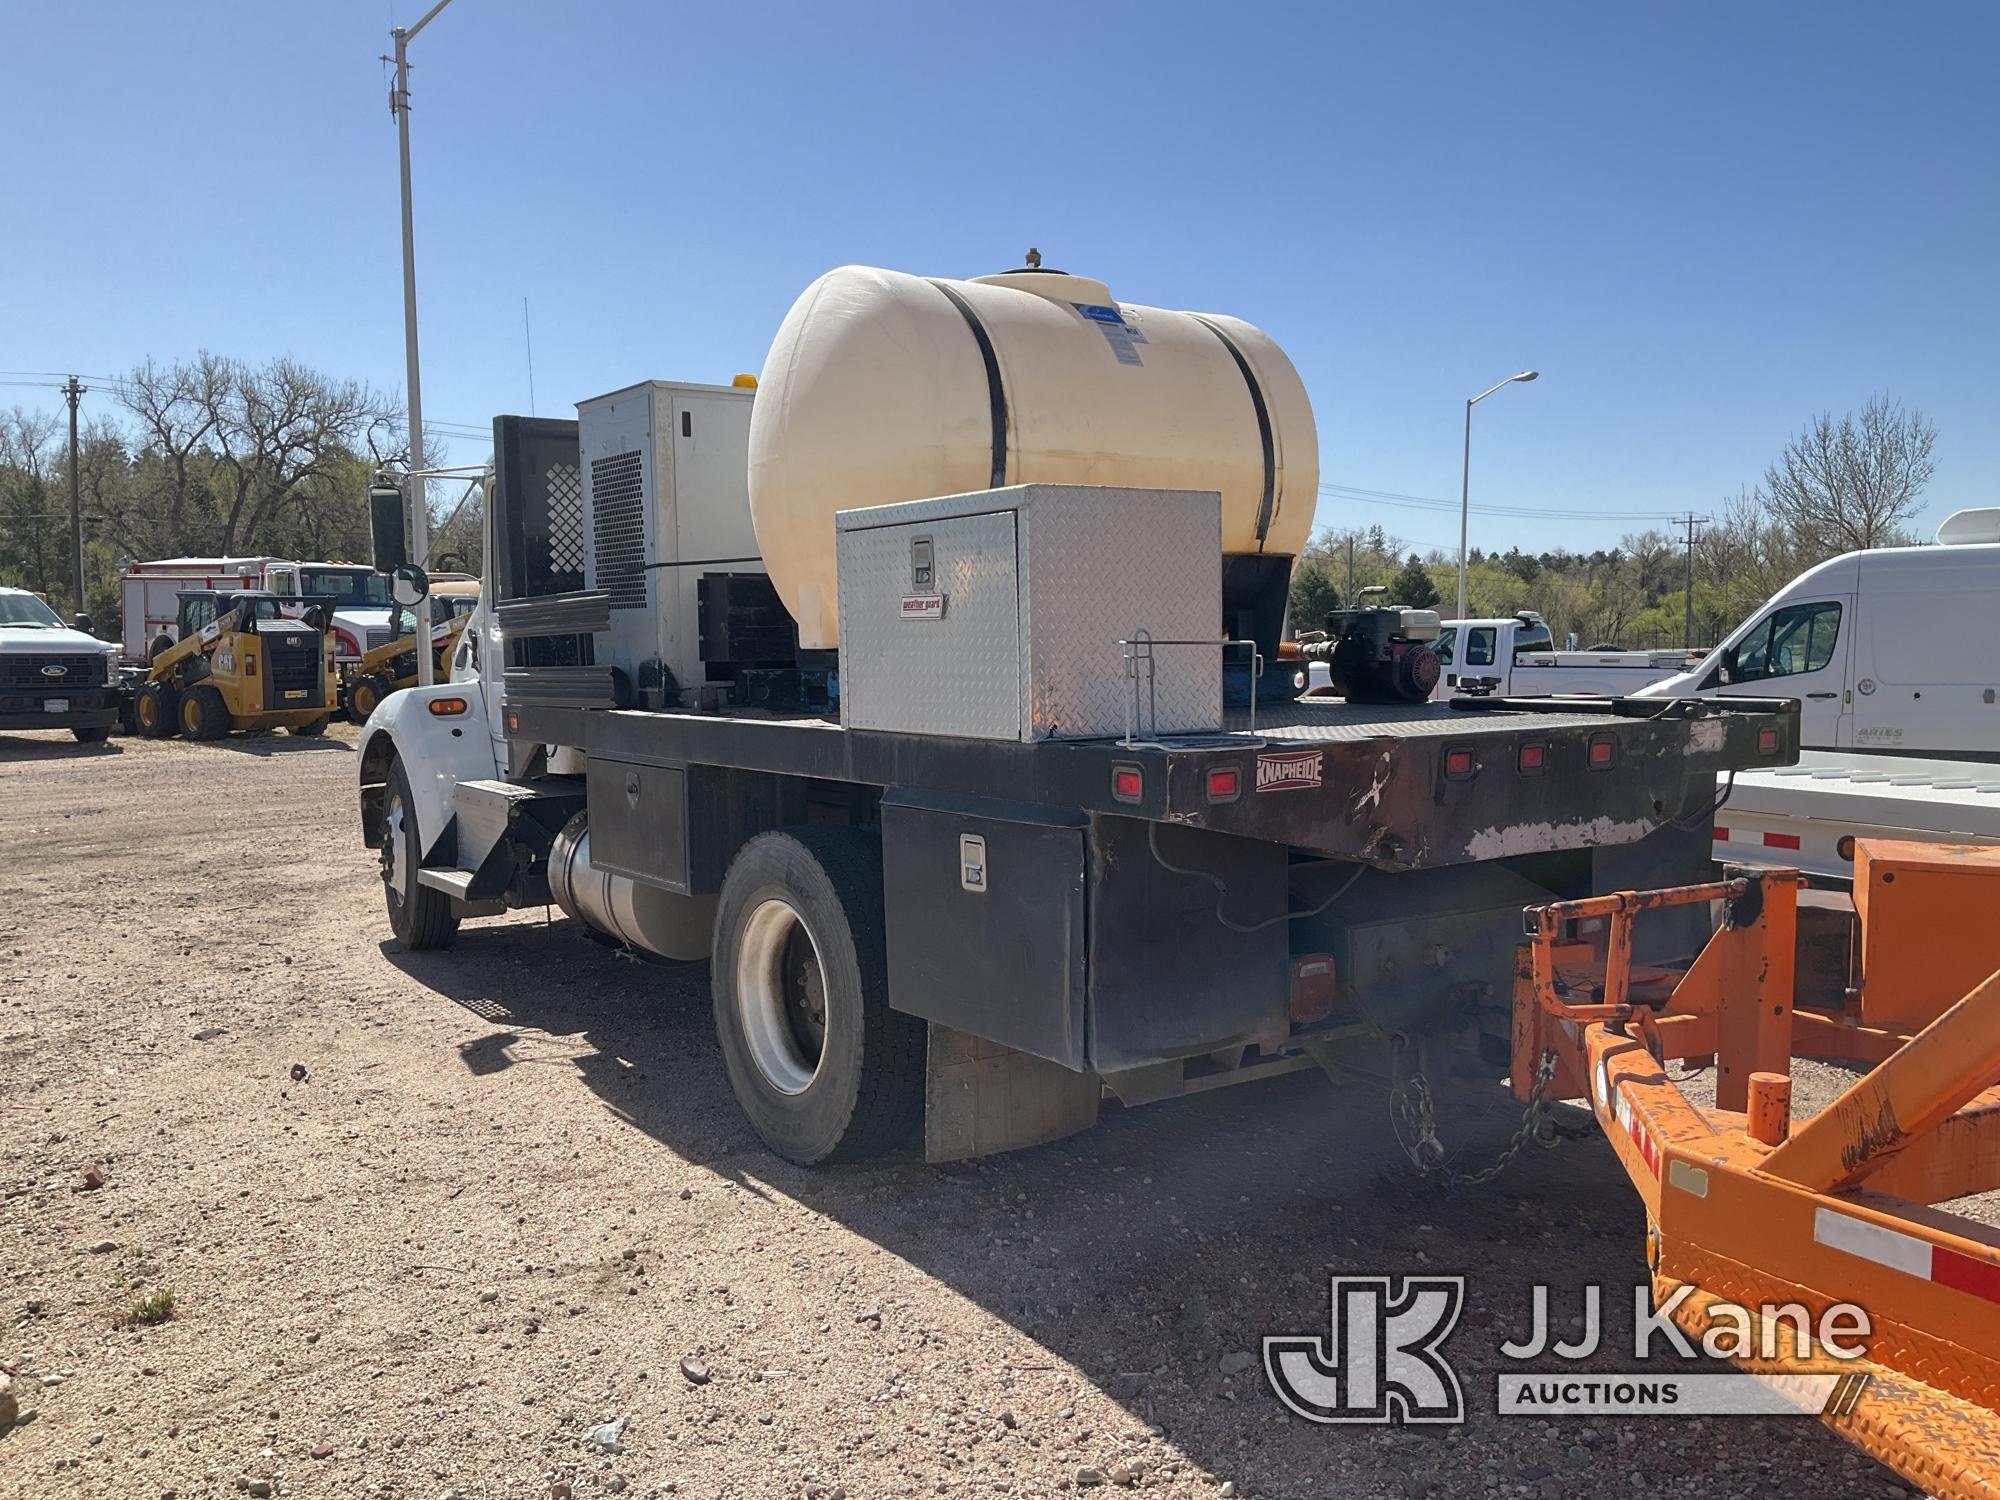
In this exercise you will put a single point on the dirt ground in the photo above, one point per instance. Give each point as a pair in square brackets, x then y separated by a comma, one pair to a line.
[429, 1219]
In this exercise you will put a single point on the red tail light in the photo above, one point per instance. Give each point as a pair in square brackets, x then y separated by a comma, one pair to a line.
[1126, 783]
[1459, 764]
[1603, 751]
[1314, 987]
[1225, 784]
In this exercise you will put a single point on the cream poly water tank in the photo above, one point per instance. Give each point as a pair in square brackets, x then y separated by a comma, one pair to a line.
[883, 387]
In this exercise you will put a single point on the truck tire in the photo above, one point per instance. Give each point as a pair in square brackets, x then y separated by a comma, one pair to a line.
[366, 694]
[312, 728]
[159, 643]
[420, 917]
[203, 715]
[821, 1066]
[92, 736]
[156, 709]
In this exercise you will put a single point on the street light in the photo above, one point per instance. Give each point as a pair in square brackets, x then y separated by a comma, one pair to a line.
[399, 106]
[1465, 480]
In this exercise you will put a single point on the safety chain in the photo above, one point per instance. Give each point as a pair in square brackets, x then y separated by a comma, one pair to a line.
[1410, 1099]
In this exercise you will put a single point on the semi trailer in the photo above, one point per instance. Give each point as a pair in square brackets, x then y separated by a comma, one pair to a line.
[897, 686]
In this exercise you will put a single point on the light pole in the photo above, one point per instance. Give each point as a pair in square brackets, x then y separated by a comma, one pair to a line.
[1465, 478]
[417, 497]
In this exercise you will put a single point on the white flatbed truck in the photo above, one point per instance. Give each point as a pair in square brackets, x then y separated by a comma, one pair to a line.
[982, 937]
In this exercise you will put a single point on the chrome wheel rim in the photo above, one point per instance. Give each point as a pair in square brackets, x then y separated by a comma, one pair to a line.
[395, 875]
[781, 996]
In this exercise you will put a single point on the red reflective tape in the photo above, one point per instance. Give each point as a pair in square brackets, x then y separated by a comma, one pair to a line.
[1781, 841]
[1721, 834]
[1981, 1278]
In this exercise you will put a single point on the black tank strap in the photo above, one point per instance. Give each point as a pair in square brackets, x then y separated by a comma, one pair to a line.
[996, 396]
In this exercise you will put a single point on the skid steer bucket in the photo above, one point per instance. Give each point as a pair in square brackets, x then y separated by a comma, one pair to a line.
[1747, 1208]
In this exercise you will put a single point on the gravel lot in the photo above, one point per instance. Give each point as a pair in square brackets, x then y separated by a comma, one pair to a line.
[511, 1194]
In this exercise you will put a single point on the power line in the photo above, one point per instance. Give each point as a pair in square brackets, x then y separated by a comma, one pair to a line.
[1530, 512]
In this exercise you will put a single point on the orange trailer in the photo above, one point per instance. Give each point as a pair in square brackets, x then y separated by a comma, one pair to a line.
[1744, 1206]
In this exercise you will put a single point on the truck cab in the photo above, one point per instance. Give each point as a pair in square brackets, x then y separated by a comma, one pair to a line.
[54, 676]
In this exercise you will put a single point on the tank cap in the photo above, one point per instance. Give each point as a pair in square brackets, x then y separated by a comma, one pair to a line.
[745, 382]
[1044, 281]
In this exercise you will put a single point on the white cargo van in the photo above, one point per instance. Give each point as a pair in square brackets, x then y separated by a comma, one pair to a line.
[1895, 649]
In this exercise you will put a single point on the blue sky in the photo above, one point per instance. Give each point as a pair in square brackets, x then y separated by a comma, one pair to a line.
[1703, 223]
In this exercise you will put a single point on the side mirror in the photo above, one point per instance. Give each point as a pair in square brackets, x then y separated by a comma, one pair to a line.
[411, 586]
[386, 529]
[83, 623]
[1729, 664]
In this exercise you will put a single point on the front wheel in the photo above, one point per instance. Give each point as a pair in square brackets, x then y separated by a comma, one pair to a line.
[821, 1066]
[419, 916]
[156, 710]
[312, 727]
[203, 714]
[92, 736]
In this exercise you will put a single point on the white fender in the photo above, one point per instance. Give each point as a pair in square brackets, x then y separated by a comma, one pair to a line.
[437, 752]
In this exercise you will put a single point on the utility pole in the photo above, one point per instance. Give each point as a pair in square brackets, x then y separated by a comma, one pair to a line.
[1692, 523]
[418, 488]
[73, 393]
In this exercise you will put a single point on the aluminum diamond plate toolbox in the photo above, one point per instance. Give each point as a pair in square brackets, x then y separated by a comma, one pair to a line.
[997, 615]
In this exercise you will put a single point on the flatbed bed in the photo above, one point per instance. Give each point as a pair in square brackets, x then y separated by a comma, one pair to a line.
[1398, 787]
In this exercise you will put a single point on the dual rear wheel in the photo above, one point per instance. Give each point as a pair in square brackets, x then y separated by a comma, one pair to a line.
[821, 1066]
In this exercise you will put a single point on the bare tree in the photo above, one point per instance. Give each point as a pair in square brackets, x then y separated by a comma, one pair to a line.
[227, 448]
[280, 429]
[176, 406]
[1844, 485]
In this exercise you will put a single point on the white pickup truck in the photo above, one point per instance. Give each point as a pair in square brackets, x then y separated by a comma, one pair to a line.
[1517, 658]
[52, 676]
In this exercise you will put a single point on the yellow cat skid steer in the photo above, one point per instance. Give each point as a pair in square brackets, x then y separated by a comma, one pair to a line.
[246, 659]
[392, 666]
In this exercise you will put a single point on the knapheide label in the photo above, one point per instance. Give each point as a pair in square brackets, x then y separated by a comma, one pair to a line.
[1288, 772]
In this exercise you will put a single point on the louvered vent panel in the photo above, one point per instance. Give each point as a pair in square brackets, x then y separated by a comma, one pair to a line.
[565, 506]
[618, 504]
